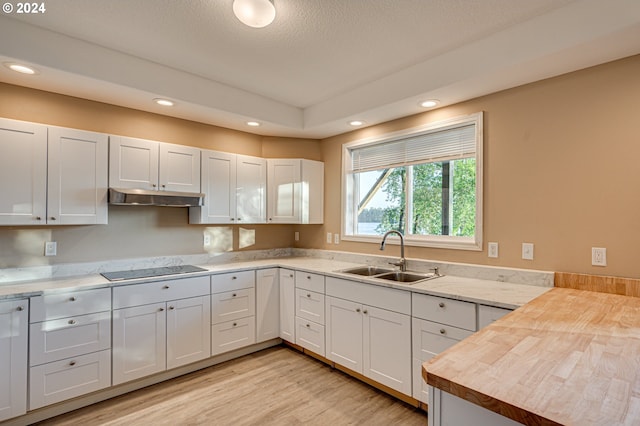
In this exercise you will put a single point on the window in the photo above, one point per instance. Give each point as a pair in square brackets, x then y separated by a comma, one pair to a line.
[425, 182]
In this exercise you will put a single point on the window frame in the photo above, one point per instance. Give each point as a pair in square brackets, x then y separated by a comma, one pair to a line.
[435, 241]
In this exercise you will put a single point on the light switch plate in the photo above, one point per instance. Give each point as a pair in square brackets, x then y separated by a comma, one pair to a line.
[527, 251]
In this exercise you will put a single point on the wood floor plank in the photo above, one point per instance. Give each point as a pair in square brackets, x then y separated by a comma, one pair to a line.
[277, 386]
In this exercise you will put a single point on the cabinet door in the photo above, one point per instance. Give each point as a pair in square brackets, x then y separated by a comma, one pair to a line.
[179, 168]
[188, 331]
[312, 192]
[283, 194]
[139, 342]
[344, 326]
[23, 173]
[287, 306]
[251, 189]
[133, 163]
[387, 348]
[267, 304]
[77, 183]
[219, 188]
[14, 317]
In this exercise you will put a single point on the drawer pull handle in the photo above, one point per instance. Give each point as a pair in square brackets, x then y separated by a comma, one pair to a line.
[443, 331]
[20, 308]
[357, 309]
[72, 322]
[441, 304]
[308, 294]
[171, 308]
[72, 299]
[235, 324]
[308, 326]
[72, 363]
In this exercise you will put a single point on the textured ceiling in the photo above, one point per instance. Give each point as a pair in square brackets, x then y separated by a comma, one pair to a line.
[321, 62]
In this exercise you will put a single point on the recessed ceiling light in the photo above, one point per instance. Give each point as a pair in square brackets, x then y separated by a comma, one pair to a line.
[254, 13]
[429, 103]
[356, 123]
[163, 102]
[253, 123]
[23, 69]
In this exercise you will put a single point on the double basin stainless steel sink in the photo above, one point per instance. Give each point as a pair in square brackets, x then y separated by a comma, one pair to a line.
[391, 275]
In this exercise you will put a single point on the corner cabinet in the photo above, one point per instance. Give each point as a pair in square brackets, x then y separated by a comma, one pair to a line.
[295, 191]
[14, 318]
[144, 164]
[267, 304]
[52, 175]
[235, 188]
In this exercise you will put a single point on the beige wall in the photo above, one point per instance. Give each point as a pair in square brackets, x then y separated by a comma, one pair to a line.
[561, 169]
[135, 231]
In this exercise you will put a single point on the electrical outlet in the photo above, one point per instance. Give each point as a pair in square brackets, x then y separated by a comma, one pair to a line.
[493, 249]
[328, 237]
[598, 256]
[207, 240]
[527, 251]
[336, 238]
[296, 236]
[50, 248]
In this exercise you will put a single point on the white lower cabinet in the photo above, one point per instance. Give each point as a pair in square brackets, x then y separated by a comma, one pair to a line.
[310, 312]
[370, 338]
[489, 314]
[287, 306]
[155, 329]
[267, 304]
[14, 319]
[233, 306]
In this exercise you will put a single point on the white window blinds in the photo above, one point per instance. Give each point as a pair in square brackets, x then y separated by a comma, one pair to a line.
[428, 147]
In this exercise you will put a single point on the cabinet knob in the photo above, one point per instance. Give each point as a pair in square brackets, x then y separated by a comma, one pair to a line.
[233, 295]
[308, 294]
[72, 322]
[443, 331]
[239, 218]
[290, 275]
[232, 219]
[153, 185]
[38, 218]
[441, 304]
[234, 277]
[235, 324]
[164, 186]
[72, 299]
[72, 363]
[52, 218]
[365, 312]
[20, 308]
[270, 218]
[171, 308]
[165, 287]
[308, 277]
[357, 309]
[161, 309]
[308, 326]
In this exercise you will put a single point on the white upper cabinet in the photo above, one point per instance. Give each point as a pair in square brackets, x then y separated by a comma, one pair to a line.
[295, 191]
[77, 177]
[234, 188]
[23, 173]
[52, 175]
[143, 164]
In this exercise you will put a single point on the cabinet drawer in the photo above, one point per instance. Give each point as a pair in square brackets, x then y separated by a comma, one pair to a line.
[310, 305]
[310, 335]
[430, 338]
[63, 305]
[231, 335]
[369, 294]
[232, 281]
[58, 339]
[232, 305]
[489, 314]
[159, 291]
[309, 281]
[445, 311]
[60, 380]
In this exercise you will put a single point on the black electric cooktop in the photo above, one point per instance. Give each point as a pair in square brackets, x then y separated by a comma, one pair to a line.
[151, 272]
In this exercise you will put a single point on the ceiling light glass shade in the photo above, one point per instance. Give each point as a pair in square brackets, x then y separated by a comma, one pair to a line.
[254, 13]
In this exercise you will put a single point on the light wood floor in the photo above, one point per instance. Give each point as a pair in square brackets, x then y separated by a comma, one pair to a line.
[277, 386]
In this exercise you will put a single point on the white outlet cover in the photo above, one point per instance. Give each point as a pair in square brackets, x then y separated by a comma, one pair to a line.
[328, 237]
[527, 251]
[296, 236]
[336, 238]
[598, 256]
[50, 248]
[492, 249]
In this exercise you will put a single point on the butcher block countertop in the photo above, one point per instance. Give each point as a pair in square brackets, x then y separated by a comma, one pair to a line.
[568, 357]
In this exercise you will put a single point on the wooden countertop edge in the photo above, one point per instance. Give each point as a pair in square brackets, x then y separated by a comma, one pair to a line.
[497, 406]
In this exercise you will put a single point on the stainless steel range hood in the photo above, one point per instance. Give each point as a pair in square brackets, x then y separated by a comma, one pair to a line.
[142, 197]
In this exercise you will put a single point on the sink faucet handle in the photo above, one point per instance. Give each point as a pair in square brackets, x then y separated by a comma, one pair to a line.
[435, 270]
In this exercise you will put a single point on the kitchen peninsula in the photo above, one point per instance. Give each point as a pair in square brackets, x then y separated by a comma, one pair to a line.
[568, 357]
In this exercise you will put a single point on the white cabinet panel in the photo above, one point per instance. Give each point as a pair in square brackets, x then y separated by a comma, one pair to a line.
[489, 314]
[221, 283]
[139, 342]
[295, 191]
[310, 305]
[287, 305]
[62, 305]
[60, 380]
[232, 305]
[309, 281]
[77, 177]
[381, 297]
[456, 313]
[251, 189]
[344, 338]
[267, 304]
[160, 291]
[188, 331]
[232, 335]
[179, 168]
[14, 318]
[310, 335]
[23, 173]
[133, 163]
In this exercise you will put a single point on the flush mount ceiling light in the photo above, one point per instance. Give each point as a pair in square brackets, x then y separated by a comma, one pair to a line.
[356, 123]
[429, 103]
[163, 102]
[23, 69]
[253, 123]
[254, 13]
